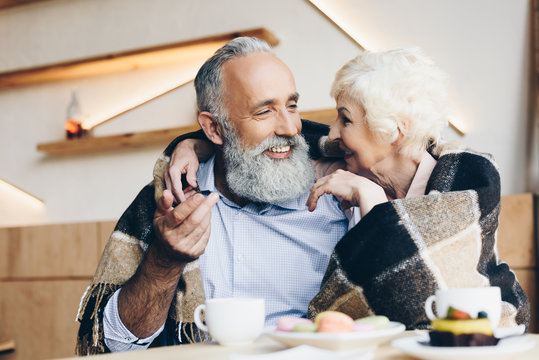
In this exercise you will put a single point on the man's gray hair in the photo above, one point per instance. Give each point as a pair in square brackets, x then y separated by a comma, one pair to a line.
[208, 82]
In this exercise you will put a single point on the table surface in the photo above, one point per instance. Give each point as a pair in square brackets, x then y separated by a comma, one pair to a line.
[264, 345]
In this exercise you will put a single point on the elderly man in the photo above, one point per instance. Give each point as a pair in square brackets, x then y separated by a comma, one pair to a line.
[162, 261]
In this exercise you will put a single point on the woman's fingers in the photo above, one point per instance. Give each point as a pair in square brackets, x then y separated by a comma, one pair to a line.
[174, 174]
[191, 172]
[317, 190]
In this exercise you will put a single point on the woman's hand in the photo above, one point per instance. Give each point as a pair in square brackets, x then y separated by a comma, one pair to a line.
[353, 189]
[184, 161]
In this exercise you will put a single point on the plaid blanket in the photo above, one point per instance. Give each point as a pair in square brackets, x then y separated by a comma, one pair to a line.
[403, 250]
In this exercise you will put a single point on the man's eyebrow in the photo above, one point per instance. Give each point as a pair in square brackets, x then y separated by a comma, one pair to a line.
[292, 97]
[262, 103]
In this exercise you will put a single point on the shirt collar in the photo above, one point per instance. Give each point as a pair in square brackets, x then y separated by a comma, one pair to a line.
[206, 183]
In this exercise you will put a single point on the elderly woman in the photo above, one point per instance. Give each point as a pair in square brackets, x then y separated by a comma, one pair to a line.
[424, 214]
[428, 212]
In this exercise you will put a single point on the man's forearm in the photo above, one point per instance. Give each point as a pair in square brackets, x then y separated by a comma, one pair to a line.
[145, 299]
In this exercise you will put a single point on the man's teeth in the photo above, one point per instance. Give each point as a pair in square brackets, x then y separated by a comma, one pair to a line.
[280, 149]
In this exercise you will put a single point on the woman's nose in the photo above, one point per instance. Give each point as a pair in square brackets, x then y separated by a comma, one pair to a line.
[334, 131]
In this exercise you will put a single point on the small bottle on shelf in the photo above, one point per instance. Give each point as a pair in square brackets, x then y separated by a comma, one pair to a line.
[73, 123]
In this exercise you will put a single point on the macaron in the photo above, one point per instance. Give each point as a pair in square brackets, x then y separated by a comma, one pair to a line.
[312, 327]
[287, 323]
[334, 321]
[378, 321]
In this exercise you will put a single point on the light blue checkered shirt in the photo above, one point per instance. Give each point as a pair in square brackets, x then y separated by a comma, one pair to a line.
[278, 252]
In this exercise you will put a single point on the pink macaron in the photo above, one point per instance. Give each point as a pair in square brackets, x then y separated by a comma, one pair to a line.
[287, 323]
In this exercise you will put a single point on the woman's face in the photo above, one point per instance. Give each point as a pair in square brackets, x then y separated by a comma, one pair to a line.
[362, 149]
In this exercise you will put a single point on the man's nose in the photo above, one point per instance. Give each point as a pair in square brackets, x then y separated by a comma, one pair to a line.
[288, 124]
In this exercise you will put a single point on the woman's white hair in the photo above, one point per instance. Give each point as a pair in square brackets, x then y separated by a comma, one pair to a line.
[398, 89]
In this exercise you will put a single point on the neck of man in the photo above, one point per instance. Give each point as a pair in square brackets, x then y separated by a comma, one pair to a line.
[221, 183]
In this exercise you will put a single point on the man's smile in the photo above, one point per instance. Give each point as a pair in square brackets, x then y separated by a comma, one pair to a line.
[278, 152]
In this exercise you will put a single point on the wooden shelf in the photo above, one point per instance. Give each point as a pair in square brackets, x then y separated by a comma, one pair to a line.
[96, 144]
[128, 60]
[91, 144]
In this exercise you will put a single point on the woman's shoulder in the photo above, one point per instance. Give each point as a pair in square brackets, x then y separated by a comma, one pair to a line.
[455, 151]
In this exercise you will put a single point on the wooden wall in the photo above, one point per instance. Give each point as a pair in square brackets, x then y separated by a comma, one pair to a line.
[44, 270]
[517, 244]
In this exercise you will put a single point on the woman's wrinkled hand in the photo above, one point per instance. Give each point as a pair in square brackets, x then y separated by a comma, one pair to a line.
[184, 162]
[351, 188]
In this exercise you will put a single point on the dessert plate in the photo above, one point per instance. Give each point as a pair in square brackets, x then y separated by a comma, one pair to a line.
[418, 347]
[337, 341]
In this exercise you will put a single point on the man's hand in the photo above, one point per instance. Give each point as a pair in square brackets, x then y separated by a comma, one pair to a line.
[181, 235]
[185, 160]
[182, 232]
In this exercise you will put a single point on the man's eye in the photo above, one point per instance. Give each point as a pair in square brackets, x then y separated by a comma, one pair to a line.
[262, 112]
[294, 106]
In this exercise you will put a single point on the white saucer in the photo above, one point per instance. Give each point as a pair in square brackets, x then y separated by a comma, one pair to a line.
[337, 341]
[506, 348]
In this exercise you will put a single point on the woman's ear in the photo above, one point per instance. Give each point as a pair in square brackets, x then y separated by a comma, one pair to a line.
[402, 128]
[211, 127]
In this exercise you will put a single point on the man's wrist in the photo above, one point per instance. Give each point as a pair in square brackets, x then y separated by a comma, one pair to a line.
[161, 264]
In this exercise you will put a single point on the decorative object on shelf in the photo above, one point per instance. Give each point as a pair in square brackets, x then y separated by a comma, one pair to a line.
[73, 123]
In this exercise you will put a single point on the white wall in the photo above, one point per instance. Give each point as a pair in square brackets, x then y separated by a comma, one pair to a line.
[483, 47]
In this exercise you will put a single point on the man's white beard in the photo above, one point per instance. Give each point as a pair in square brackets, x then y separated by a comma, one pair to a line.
[255, 176]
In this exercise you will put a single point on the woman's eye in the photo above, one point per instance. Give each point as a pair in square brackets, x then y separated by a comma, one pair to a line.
[346, 120]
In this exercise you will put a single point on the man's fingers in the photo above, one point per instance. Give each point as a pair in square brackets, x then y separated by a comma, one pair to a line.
[195, 241]
[191, 211]
[181, 212]
[197, 216]
[164, 204]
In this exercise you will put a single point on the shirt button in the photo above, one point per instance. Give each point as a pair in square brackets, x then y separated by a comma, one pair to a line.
[239, 213]
[240, 257]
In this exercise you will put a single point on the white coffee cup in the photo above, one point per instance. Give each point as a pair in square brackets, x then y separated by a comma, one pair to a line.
[470, 300]
[232, 321]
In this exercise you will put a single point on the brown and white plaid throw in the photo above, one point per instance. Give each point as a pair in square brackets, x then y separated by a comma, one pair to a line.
[403, 250]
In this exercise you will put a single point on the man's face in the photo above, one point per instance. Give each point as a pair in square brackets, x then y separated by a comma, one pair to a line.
[265, 157]
[260, 99]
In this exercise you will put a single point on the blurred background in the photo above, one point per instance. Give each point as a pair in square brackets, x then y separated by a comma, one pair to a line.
[486, 47]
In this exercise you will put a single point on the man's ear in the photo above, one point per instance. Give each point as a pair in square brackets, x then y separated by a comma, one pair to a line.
[210, 127]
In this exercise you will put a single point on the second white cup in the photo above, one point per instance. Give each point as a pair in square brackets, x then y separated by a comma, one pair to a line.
[232, 321]
[470, 300]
